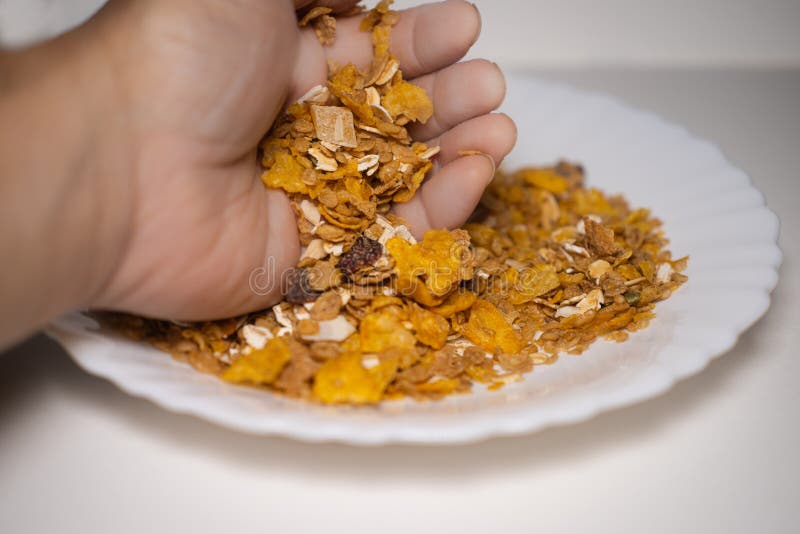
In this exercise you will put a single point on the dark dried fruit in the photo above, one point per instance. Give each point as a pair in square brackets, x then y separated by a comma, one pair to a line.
[298, 289]
[364, 252]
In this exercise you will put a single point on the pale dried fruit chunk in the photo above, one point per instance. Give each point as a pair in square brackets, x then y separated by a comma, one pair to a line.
[334, 124]
[261, 366]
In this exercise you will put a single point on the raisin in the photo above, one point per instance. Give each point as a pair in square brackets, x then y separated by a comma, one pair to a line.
[298, 289]
[364, 252]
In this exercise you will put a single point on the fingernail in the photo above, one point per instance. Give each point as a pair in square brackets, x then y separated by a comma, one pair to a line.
[479, 153]
[480, 20]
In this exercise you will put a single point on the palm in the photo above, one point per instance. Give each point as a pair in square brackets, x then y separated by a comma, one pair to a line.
[203, 97]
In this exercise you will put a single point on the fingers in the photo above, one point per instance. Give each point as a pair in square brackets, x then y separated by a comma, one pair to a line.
[447, 200]
[450, 195]
[459, 93]
[494, 134]
[425, 39]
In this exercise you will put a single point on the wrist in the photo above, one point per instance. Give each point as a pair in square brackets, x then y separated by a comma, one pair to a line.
[65, 182]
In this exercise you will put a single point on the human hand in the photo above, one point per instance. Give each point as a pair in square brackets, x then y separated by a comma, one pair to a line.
[198, 84]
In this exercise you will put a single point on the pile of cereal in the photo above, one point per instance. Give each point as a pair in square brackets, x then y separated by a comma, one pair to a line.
[544, 266]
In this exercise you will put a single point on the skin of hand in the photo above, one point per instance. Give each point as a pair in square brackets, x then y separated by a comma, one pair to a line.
[138, 130]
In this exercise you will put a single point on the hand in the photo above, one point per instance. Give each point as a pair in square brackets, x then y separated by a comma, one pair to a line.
[196, 84]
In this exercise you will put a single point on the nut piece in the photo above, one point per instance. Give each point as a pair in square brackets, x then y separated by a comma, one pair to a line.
[664, 273]
[598, 268]
[256, 336]
[319, 94]
[315, 250]
[310, 212]
[337, 329]
[334, 125]
[324, 163]
[367, 162]
[592, 301]
[388, 71]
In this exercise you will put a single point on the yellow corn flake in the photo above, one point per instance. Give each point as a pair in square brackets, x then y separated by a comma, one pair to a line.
[436, 262]
[457, 301]
[431, 329]
[480, 234]
[343, 84]
[416, 180]
[533, 283]
[440, 386]
[647, 269]
[261, 366]
[481, 374]
[408, 100]
[628, 271]
[546, 179]
[591, 201]
[345, 380]
[488, 329]
[286, 173]
[382, 331]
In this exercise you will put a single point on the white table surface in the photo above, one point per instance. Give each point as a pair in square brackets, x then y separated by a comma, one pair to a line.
[717, 453]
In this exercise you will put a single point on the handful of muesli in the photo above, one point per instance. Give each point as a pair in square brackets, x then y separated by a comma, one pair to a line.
[544, 266]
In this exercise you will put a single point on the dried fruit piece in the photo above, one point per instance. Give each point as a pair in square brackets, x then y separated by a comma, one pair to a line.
[362, 253]
[299, 290]
[334, 124]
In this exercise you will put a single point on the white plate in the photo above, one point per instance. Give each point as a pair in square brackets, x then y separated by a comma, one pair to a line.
[711, 212]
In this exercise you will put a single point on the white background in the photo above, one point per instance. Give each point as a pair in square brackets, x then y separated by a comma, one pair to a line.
[563, 33]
